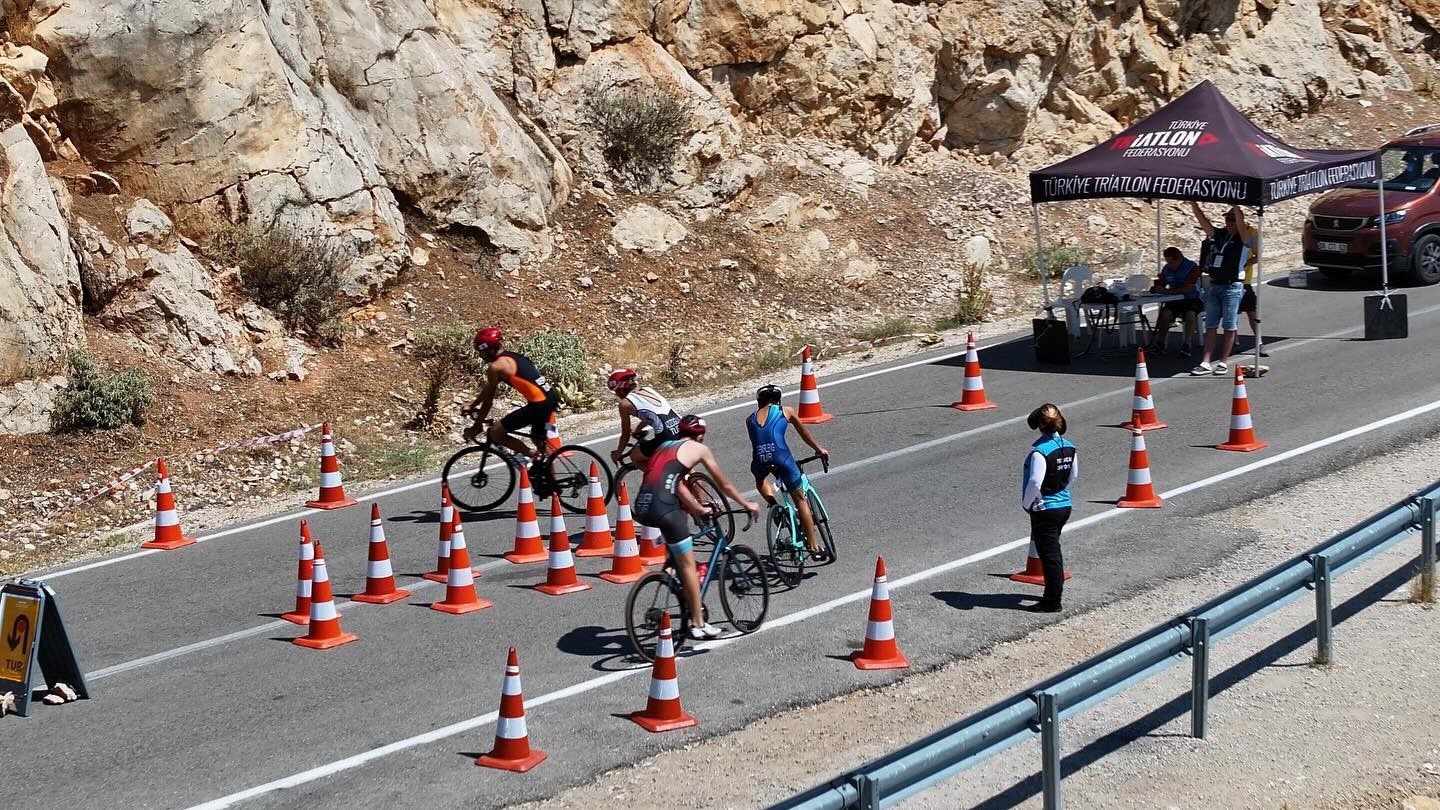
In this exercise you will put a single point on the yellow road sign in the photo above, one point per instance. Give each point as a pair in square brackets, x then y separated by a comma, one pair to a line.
[19, 622]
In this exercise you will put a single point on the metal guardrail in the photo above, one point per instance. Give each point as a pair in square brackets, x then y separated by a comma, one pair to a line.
[1041, 708]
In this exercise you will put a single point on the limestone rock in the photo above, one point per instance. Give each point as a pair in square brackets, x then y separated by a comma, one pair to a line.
[104, 268]
[25, 407]
[40, 298]
[144, 222]
[790, 211]
[647, 228]
[859, 272]
[173, 310]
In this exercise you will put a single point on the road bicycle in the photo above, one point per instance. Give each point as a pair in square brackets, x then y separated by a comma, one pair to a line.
[785, 535]
[744, 591]
[565, 472]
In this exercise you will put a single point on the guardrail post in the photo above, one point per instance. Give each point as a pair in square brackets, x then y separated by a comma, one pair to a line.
[869, 792]
[1427, 549]
[1199, 676]
[1050, 750]
[1324, 652]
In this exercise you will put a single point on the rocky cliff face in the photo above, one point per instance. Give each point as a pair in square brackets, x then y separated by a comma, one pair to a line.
[343, 117]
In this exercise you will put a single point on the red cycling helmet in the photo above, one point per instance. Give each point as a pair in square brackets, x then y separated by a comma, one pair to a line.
[693, 427]
[621, 378]
[488, 338]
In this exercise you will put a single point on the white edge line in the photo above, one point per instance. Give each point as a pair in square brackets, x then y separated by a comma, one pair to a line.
[329, 769]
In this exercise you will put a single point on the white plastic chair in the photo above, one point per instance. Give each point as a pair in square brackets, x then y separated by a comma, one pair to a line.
[1073, 283]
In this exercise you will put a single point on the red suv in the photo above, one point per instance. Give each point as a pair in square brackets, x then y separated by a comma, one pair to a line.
[1342, 231]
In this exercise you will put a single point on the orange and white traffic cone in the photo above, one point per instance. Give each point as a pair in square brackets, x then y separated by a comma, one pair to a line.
[1242, 429]
[529, 545]
[597, 542]
[552, 437]
[332, 489]
[448, 513]
[652, 547]
[811, 412]
[662, 710]
[1142, 408]
[560, 576]
[880, 650]
[325, 629]
[1034, 573]
[625, 566]
[512, 751]
[460, 596]
[304, 582]
[1139, 491]
[379, 576]
[168, 535]
[972, 395]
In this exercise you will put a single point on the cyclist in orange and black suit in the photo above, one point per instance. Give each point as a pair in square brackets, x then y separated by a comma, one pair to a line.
[521, 374]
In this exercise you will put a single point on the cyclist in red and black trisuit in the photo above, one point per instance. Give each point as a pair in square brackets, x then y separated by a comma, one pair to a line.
[521, 374]
[663, 504]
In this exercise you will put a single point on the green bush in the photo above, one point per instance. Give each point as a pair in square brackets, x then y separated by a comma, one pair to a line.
[888, 328]
[94, 401]
[640, 134]
[1058, 258]
[972, 301]
[443, 352]
[560, 356]
[296, 275]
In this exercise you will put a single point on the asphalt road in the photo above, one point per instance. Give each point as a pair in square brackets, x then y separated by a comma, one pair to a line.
[200, 698]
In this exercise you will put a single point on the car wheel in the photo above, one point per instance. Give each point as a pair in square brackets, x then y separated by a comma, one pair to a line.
[1335, 273]
[1425, 259]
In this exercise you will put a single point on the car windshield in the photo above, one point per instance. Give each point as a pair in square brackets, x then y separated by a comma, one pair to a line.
[1408, 168]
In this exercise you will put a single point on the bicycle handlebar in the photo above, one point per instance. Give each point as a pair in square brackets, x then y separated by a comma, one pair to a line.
[749, 518]
[824, 460]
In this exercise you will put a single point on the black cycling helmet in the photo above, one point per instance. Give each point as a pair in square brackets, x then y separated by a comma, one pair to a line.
[768, 394]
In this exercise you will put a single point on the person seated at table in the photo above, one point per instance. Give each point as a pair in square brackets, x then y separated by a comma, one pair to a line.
[1178, 276]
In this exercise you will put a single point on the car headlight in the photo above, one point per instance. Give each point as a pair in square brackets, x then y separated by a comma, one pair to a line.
[1390, 218]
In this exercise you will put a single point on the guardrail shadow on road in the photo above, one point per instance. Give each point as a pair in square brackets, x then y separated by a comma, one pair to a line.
[1031, 786]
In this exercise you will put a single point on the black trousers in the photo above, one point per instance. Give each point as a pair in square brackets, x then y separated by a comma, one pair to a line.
[1045, 529]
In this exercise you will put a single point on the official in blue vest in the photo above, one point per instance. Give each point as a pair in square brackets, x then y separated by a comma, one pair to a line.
[1051, 468]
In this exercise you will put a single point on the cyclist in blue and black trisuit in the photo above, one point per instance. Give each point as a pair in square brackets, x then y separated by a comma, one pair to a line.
[771, 456]
[663, 503]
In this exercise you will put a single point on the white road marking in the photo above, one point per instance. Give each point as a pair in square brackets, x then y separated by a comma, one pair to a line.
[430, 482]
[355, 761]
[849, 466]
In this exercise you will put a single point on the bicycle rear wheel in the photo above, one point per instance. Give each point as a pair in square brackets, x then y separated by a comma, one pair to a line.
[786, 557]
[482, 489]
[653, 596]
[568, 473]
[744, 589]
[822, 525]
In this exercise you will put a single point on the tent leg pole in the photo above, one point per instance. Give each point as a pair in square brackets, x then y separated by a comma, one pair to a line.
[1259, 282]
[1040, 258]
[1159, 234]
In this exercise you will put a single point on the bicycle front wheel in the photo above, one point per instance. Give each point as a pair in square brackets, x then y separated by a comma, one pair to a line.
[653, 596]
[708, 493]
[568, 472]
[786, 555]
[744, 590]
[479, 489]
[629, 475]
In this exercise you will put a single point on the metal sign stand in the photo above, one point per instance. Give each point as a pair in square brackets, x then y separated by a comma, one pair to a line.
[1386, 316]
[32, 636]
